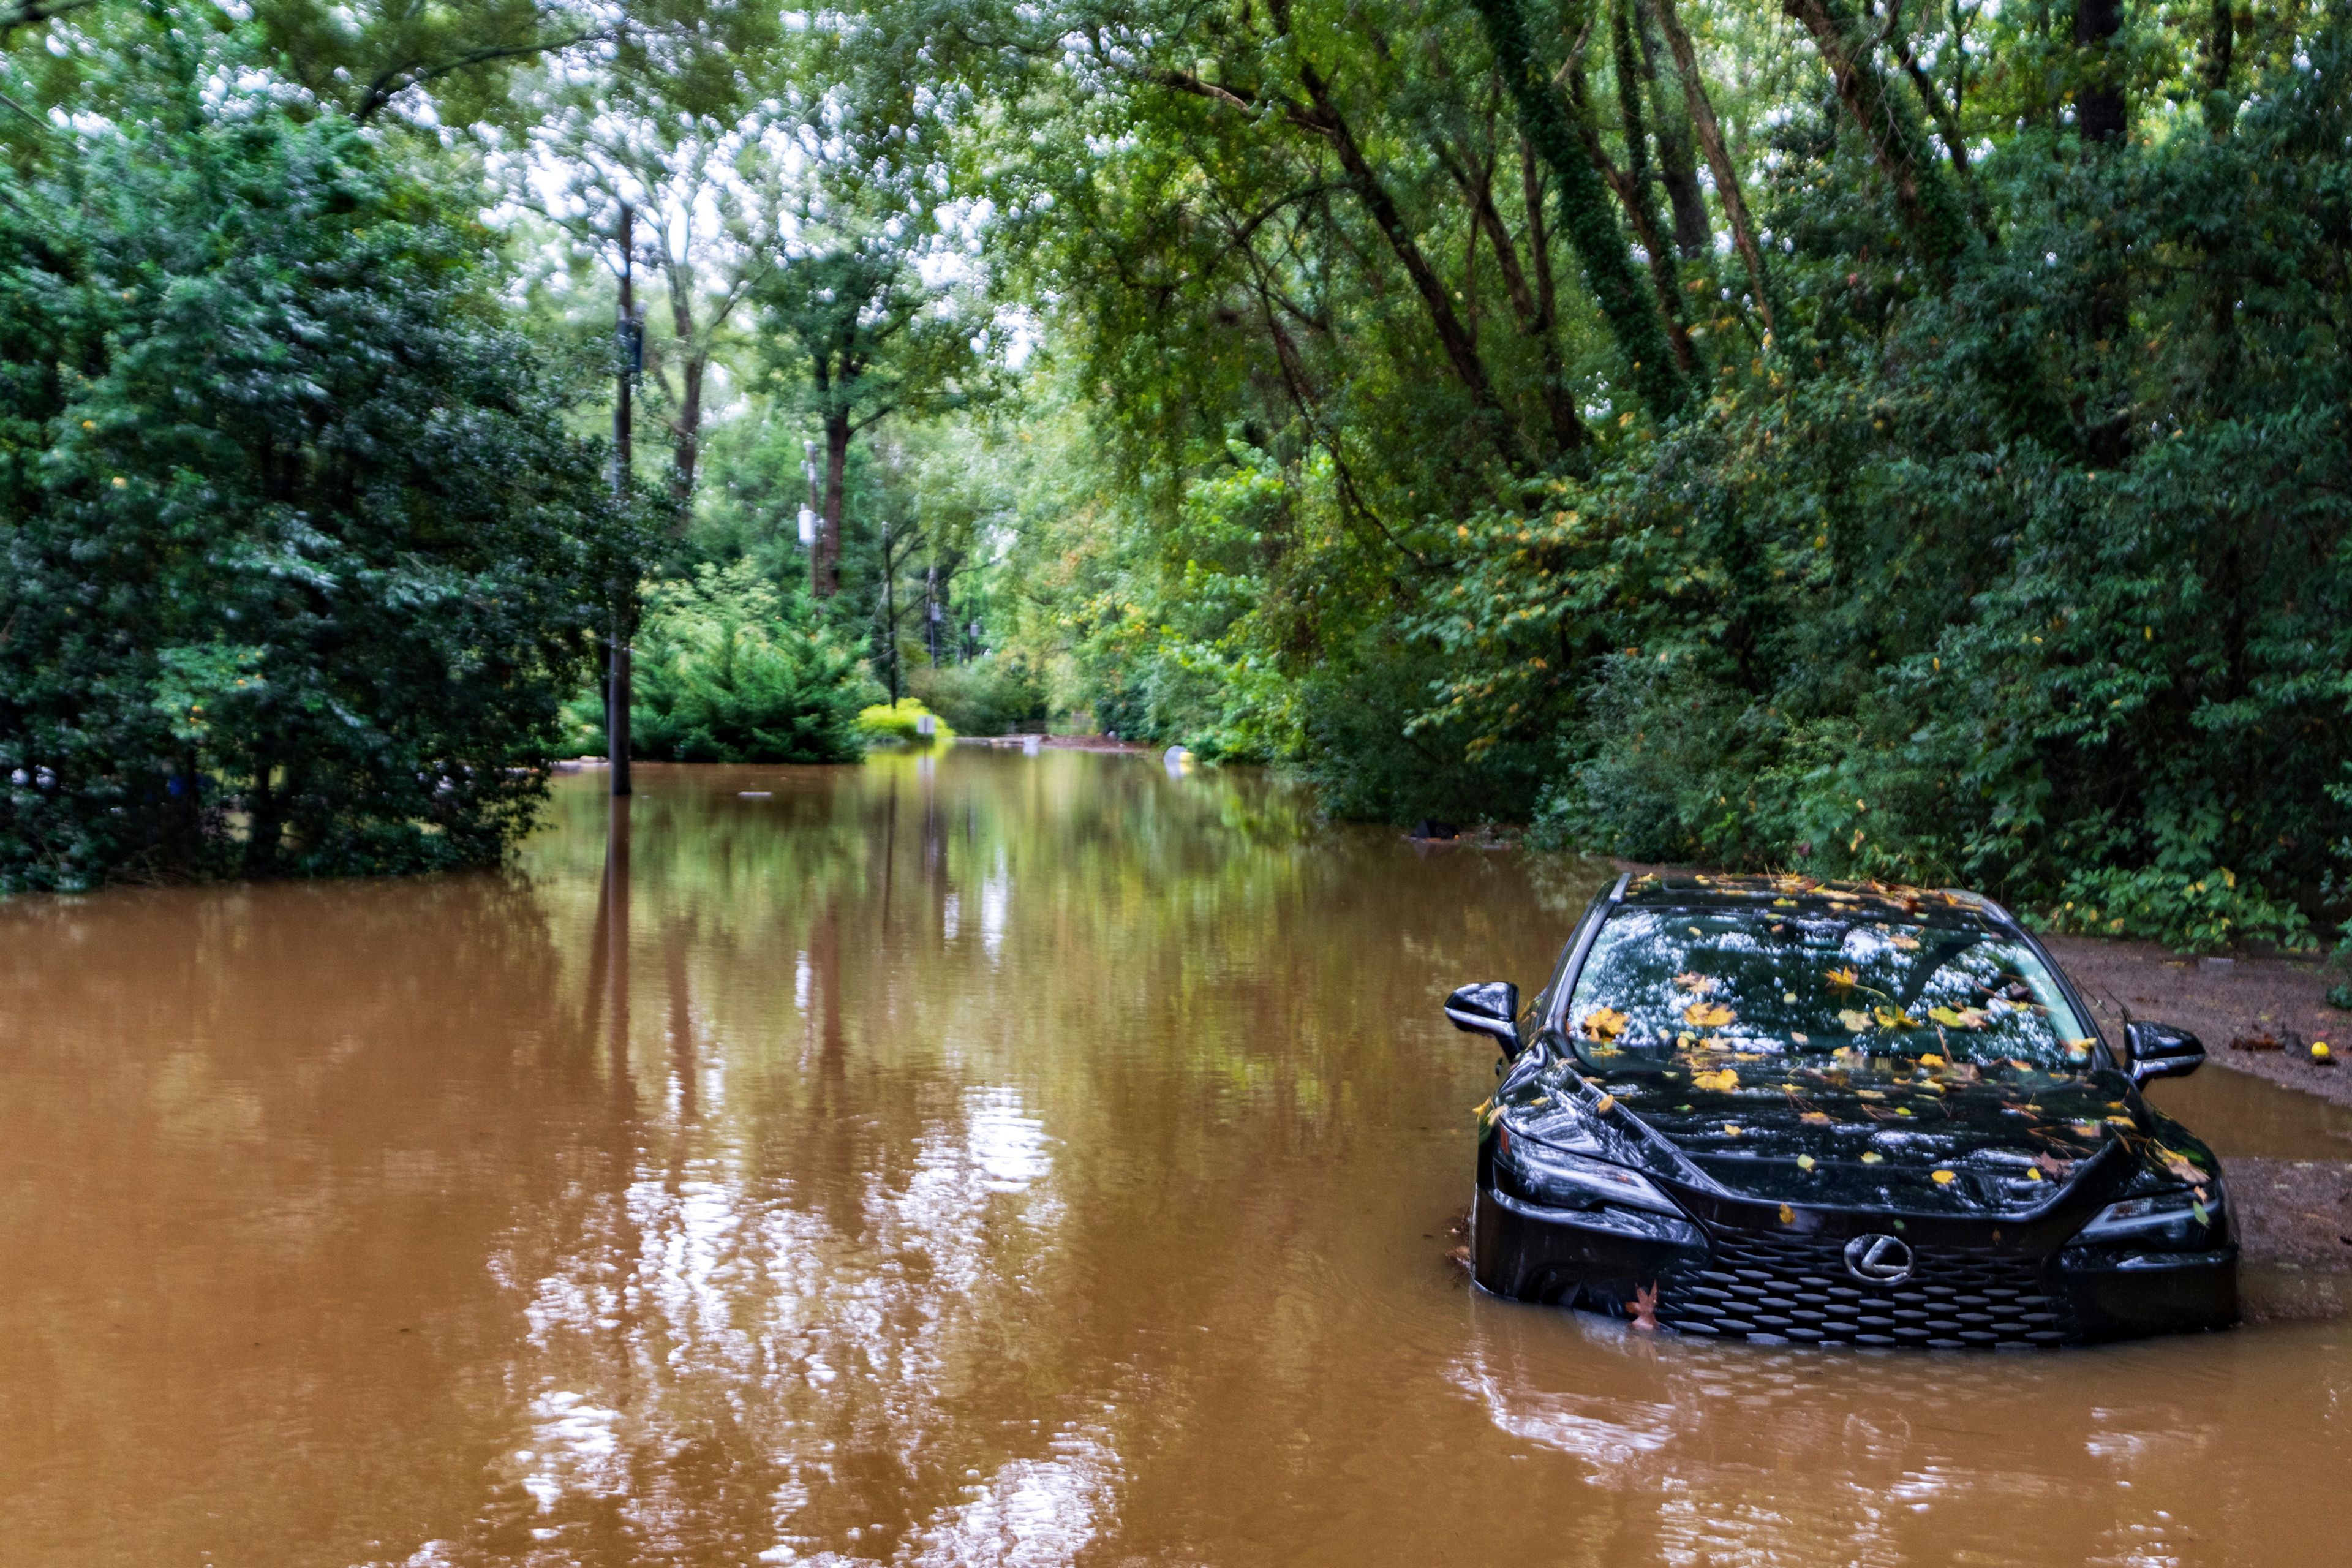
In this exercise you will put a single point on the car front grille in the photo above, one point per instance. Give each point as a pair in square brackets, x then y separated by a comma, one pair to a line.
[1759, 1285]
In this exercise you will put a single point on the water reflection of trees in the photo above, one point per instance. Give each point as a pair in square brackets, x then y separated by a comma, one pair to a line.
[255, 1146]
[933, 1043]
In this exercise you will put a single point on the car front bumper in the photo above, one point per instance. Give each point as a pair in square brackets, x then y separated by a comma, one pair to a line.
[1729, 1283]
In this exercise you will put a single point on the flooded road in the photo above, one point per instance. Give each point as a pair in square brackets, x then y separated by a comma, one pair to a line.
[984, 1160]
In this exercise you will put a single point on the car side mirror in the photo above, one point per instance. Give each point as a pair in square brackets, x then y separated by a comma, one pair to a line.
[2159, 1050]
[1488, 1008]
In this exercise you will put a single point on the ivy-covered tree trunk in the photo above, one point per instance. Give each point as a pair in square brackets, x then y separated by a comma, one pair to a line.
[1586, 216]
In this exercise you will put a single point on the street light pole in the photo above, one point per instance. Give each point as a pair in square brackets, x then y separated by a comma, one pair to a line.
[618, 696]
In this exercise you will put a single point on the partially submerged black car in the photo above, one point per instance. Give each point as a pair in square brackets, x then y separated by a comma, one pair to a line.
[1774, 1108]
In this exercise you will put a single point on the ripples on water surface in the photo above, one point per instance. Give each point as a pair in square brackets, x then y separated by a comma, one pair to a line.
[980, 1160]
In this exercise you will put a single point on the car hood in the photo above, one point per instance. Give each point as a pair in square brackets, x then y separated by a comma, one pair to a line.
[1956, 1140]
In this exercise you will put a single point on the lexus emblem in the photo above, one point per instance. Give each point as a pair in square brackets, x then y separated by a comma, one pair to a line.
[1878, 1259]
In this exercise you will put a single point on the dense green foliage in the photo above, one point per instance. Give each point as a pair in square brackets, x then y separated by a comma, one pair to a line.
[725, 674]
[1889, 443]
[1988, 526]
[296, 559]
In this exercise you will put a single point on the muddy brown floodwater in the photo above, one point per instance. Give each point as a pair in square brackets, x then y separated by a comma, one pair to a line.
[980, 1159]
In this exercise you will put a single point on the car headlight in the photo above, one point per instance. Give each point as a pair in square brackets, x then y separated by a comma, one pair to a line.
[2161, 1219]
[1562, 1180]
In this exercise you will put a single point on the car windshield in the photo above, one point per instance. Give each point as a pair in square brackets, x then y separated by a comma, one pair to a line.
[1659, 981]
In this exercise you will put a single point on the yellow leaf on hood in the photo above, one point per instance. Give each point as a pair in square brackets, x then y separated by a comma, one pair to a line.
[1872, 1158]
[1944, 1178]
[1604, 1024]
[1692, 981]
[1894, 1019]
[1842, 979]
[1706, 1014]
[1854, 1019]
[1722, 1081]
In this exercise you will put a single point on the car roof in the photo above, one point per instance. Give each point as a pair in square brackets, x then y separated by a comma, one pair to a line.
[1811, 895]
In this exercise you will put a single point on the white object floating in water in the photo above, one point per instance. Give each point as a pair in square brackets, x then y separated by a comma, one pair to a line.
[926, 725]
[753, 794]
[1176, 759]
[1032, 744]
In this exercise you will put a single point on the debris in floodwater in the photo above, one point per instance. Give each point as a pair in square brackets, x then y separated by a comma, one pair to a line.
[1645, 1306]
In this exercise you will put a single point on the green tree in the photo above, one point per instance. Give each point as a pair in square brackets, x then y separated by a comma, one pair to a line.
[300, 560]
[726, 672]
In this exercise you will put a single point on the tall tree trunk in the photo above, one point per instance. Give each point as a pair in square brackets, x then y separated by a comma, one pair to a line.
[2099, 113]
[694, 364]
[1641, 200]
[686, 435]
[1677, 164]
[2221, 49]
[1938, 227]
[1586, 214]
[1718, 156]
[2099, 99]
[824, 573]
[264, 808]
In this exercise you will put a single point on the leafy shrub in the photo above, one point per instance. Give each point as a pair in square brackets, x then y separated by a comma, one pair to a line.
[989, 696]
[895, 723]
[2190, 913]
[722, 673]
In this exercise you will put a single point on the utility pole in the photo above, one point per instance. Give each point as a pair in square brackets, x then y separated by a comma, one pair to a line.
[890, 609]
[630, 340]
[932, 611]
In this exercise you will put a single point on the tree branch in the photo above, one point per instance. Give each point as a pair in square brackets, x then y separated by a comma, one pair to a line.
[391, 82]
[33, 13]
